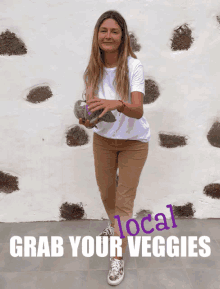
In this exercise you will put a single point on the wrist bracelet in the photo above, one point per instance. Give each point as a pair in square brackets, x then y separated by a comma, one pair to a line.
[122, 109]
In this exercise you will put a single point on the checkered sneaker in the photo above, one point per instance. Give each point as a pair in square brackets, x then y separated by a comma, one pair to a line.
[116, 272]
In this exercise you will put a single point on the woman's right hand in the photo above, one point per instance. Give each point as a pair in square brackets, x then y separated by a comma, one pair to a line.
[87, 123]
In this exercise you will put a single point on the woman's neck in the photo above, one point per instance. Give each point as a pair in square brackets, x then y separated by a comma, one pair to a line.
[111, 59]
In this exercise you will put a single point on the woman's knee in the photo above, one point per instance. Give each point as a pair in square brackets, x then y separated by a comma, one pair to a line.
[107, 191]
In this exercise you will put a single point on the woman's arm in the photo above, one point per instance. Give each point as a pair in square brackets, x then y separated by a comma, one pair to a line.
[89, 93]
[135, 108]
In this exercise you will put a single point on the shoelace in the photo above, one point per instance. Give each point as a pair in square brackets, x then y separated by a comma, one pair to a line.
[115, 266]
[107, 231]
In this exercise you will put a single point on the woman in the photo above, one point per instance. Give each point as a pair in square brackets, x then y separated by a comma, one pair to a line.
[114, 80]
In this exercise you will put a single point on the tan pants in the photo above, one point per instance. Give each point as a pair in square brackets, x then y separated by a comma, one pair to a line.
[129, 156]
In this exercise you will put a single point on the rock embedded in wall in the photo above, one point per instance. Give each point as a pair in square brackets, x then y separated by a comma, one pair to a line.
[151, 91]
[76, 136]
[213, 135]
[136, 47]
[72, 211]
[143, 213]
[39, 94]
[182, 38]
[212, 190]
[10, 44]
[185, 211]
[8, 183]
[172, 141]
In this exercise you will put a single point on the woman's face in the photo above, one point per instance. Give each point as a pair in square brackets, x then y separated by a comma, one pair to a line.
[109, 35]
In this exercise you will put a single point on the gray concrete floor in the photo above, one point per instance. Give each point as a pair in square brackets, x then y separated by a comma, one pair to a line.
[91, 272]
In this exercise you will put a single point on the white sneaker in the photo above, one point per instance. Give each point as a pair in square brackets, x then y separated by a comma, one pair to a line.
[116, 272]
[108, 231]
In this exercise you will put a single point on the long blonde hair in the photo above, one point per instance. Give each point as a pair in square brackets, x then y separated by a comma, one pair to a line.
[96, 63]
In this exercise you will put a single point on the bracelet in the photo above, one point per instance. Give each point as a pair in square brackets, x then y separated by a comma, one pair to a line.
[122, 109]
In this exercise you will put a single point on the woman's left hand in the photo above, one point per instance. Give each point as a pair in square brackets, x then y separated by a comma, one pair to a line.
[107, 105]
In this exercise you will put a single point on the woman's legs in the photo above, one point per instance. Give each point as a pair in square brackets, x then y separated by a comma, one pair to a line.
[130, 157]
[105, 160]
[131, 161]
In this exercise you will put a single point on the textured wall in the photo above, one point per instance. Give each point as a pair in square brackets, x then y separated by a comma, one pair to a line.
[46, 168]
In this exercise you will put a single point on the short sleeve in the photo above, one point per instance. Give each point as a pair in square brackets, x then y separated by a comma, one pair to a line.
[137, 82]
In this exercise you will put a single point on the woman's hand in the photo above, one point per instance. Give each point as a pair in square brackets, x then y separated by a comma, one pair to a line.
[107, 105]
[87, 123]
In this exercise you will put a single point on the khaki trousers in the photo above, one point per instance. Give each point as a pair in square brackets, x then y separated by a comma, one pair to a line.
[129, 156]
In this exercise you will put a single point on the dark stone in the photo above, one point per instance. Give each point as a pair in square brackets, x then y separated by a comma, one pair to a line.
[182, 38]
[186, 211]
[8, 183]
[39, 94]
[76, 136]
[80, 111]
[71, 211]
[10, 44]
[151, 91]
[218, 19]
[133, 41]
[172, 141]
[213, 135]
[143, 213]
[212, 190]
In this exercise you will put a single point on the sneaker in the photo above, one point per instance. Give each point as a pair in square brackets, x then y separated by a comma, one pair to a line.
[116, 273]
[109, 231]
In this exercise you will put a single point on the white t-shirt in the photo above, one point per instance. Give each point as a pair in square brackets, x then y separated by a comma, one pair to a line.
[124, 127]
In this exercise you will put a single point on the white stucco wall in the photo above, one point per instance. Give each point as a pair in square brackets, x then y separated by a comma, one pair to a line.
[58, 38]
